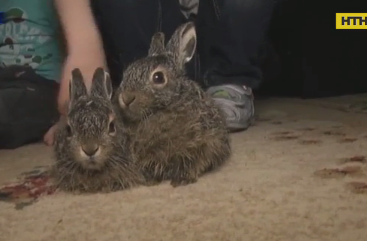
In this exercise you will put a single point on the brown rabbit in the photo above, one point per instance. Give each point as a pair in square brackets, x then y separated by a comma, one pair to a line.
[90, 149]
[177, 130]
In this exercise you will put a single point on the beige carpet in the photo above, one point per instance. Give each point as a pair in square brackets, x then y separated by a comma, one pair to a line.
[298, 175]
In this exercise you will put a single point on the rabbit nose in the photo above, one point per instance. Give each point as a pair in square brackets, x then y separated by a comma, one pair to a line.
[90, 150]
[127, 98]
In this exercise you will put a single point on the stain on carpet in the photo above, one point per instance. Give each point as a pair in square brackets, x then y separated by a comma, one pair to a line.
[356, 159]
[284, 137]
[353, 167]
[357, 187]
[281, 133]
[334, 133]
[307, 129]
[328, 173]
[347, 140]
[27, 188]
[310, 142]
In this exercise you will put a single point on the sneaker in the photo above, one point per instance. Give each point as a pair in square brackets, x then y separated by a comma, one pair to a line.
[237, 102]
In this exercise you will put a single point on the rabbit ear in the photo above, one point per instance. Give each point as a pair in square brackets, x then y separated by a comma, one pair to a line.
[157, 44]
[183, 43]
[77, 87]
[101, 84]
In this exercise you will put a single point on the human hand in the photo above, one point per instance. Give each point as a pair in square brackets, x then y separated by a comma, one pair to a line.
[49, 137]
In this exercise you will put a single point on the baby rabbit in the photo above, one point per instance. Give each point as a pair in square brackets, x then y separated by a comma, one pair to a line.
[90, 149]
[177, 130]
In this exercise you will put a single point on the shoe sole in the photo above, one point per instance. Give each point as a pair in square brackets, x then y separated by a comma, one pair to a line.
[233, 127]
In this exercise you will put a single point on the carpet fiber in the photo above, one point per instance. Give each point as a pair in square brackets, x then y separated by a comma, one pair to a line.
[299, 174]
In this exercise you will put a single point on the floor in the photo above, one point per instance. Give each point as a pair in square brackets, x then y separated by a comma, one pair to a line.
[299, 174]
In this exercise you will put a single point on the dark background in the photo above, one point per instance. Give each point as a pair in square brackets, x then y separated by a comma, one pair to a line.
[308, 57]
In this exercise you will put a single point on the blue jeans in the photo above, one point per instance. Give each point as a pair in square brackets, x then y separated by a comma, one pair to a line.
[229, 35]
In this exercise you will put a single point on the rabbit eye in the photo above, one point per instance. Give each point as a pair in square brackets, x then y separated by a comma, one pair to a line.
[158, 78]
[111, 128]
[68, 130]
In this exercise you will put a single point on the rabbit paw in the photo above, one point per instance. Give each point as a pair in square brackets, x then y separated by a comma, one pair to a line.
[183, 180]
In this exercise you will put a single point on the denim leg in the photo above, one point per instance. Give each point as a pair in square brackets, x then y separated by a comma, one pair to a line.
[238, 28]
[128, 25]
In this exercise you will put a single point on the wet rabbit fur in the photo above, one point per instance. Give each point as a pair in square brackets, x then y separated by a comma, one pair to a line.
[177, 131]
[90, 146]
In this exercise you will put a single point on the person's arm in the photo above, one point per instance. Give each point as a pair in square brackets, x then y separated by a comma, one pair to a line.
[83, 41]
